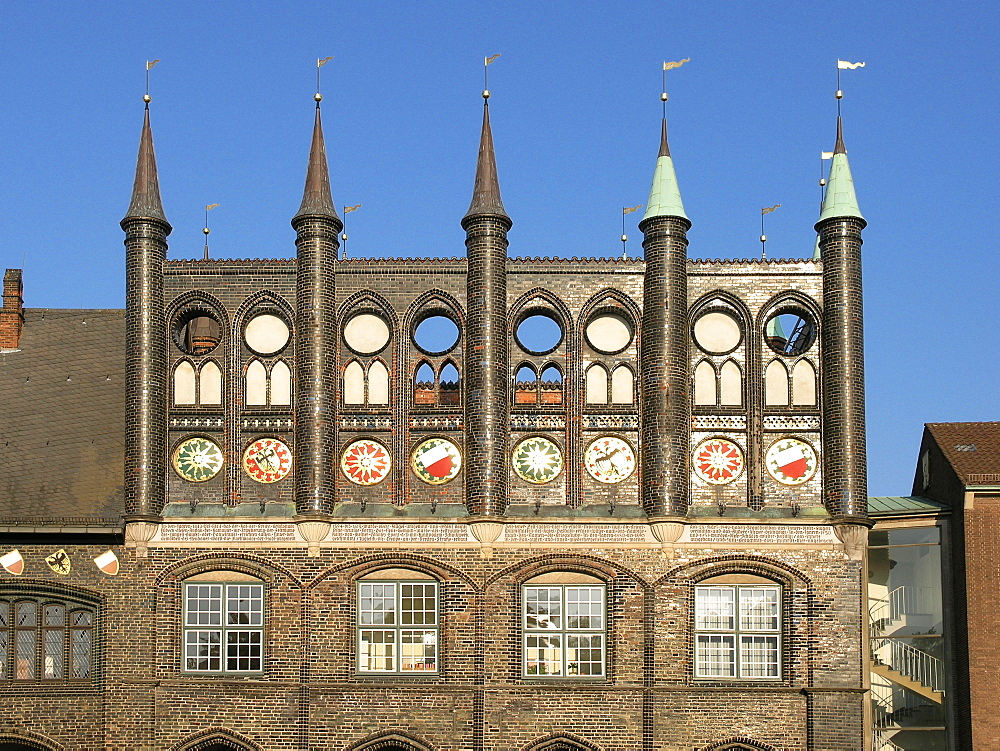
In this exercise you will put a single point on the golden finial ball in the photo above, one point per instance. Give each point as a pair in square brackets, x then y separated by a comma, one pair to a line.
[822, 182]
[624, 238]
[147, 98]
[763, 238]
[664, 97]
[840, 94]
[343, 237]
[318, 97]
[206, 231]
[486, 93]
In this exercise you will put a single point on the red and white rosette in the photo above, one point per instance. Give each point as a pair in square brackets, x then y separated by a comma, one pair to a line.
[718, 461]
[365, 462]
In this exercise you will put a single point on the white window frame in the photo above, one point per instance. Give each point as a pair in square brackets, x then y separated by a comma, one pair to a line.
[398, 627]
[736, 635]
[552, 644]
[220, 620]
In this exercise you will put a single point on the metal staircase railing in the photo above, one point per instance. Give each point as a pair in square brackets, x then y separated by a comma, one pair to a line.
[915, 664]
[881, 743]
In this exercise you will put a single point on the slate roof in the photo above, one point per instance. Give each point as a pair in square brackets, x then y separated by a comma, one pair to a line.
[62, 420]
[972, 449]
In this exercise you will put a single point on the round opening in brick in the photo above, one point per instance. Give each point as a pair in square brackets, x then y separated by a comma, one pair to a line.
[538, 333]
[196, 332]
[790, 332]
[436, 335]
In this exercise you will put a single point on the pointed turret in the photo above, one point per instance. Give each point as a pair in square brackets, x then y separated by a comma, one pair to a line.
[316, 228]
[146, 202]
[665, 195]
[146, 229]
[665, 413]
[839, 227]
[317, 199]
[487, 405]
[486, 199]
[840, 199]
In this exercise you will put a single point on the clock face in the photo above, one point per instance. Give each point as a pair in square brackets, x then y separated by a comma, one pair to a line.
[537, 460]
[267, 460]
[609, 459]
[791, 461]
[365, 462]
[718, 461]
[436, 461]
[197, 459]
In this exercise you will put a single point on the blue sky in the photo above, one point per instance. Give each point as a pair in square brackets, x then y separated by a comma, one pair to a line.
[575, 112]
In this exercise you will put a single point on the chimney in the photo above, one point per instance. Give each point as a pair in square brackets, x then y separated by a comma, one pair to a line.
[12, 313]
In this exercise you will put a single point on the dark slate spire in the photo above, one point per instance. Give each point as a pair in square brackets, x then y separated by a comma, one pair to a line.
[664, 146]
[839, 147]
[486, 193]
[316, 198]
[146, 202]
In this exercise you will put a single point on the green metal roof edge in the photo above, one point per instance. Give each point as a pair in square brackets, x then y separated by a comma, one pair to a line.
[665, 194]
[840, 199]
[893, 504]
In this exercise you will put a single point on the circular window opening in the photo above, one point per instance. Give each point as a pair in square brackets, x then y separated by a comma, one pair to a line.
[790, 332]
[197, 333]
[436, 335]
[609, 333]
[717, 333]
[266, 334]
[366, 333]
[538, 334]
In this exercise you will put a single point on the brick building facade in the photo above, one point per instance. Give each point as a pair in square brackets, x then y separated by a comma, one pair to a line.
[367, 505]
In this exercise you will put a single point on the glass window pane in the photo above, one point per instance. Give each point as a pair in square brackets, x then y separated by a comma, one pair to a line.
[418, 604]
[83, 618]
[543, 607]
[3, 614]
[3, 655]
[243, 651]
[81, 640]
[203, 650]
[715, 608]
[25, 668]
[376, 651]
[715, 656]
[52, 661]
[585, 608]
[55, 615]
[377, 606]
[417, 650]
[543, 654]
[244, 604]
[26, 612]
[204, 605]
[585, 655]
[759, 609]
[759, 657]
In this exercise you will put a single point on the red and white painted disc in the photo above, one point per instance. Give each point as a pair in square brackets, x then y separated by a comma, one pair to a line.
[267, 460]
[365, 462]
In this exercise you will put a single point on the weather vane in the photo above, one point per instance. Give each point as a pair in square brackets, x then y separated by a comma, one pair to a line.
[626, 210]
[763, 238]
[319, 64]
[343, 235]
[149, 66]
[669, 66]
[207, 231]
[487, 61]
[844, 65]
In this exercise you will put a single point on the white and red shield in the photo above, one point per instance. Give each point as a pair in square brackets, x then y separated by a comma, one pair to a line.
[107, 562]
[791, 461]
[436, 460]
[12, 562]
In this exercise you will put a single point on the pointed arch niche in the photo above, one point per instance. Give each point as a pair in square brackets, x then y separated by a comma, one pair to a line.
[608, 328]
[719, 338]
[436, 329]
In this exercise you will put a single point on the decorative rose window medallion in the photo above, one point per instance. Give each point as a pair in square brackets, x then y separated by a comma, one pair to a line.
[609, 460]
[537, 460]
[267, 460]
[365, 462]
[718, 461]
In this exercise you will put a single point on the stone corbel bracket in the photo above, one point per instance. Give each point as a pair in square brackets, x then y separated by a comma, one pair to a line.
[486, 532]
[667, 533]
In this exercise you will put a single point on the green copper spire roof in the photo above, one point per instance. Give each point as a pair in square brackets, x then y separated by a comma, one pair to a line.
[665, 195]
[840, 199]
